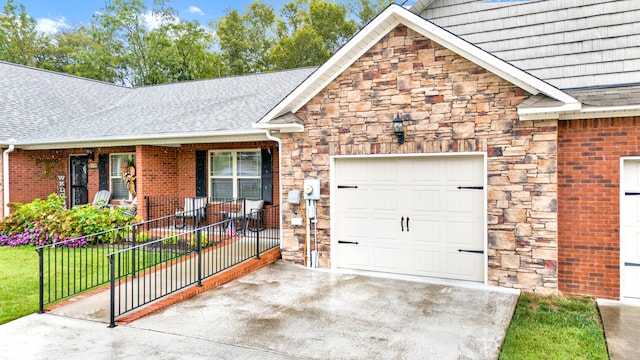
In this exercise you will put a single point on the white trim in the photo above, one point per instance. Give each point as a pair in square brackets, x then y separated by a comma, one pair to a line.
[379, 27]
[586, 112]
[173, 139]
[332, 205]
[622, 189]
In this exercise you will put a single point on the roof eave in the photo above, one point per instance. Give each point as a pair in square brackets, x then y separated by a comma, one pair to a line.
[584, 112]
[155, 140]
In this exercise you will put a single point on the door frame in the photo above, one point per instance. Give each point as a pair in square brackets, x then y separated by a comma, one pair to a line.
[621, 233]
[70, 175]
[333, 219]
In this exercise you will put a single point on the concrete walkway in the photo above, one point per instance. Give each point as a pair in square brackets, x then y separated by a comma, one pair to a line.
[622, 329]
[285, 312]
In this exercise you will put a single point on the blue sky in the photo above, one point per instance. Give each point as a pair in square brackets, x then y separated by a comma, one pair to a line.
[55, 14]
[52, 14]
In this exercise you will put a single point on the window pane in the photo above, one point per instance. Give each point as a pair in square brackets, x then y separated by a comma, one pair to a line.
[117, 162]
[222, 188]
[249, 189]
[221, 164]
[248, 163]
[119, 189]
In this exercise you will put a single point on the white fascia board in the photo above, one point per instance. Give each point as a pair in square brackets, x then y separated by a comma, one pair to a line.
[284, 128]
[157, 140]
[379, 27]
[594, 112]
[585, 112]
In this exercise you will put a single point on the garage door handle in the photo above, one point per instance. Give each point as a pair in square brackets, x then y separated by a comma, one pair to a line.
[407, 224]
[472, 251]
[402, 224]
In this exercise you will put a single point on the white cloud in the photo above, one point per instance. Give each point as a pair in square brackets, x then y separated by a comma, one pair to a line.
[195, 10]
[51, 26]
[153, 21]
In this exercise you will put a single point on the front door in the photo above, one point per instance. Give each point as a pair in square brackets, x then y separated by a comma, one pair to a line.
[630, 226]
[79, 180]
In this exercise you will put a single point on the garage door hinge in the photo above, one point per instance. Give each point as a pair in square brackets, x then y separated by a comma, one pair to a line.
[631, 264]
[472, 251]
[347, 242]
[631, 193]
[347, 186]
[470, 187]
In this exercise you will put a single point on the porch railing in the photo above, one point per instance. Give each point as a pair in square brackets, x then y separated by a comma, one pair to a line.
[160, 206]
[172, 263]
[73, 266]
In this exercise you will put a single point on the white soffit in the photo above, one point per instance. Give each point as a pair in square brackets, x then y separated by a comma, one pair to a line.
[380, 26]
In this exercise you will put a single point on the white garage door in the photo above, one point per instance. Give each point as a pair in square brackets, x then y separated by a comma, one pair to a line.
[411, 215]
[630, 234]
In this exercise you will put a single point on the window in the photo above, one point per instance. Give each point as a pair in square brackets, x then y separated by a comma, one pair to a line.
[235, 174]
[118, 164]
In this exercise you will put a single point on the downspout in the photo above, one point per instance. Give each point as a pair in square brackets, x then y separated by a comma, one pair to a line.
[278, 141]
[5, 176]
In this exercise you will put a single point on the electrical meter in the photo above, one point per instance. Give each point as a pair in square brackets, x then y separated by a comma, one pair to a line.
[312, 189]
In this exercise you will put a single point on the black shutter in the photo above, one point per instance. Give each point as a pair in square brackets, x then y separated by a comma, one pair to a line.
[267, 176]
[103, 172]
[201, 173]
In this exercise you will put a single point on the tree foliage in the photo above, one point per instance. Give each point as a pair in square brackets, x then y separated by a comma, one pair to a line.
[144, 42]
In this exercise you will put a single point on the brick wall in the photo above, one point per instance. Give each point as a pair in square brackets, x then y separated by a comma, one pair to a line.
[589, 153]
[449, 105]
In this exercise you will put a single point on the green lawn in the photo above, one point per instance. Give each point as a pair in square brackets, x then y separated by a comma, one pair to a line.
[555, 328]
[19, 275]
[18, 282]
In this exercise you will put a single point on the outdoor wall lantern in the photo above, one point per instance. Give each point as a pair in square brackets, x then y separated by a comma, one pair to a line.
[90, 154]
[398, 129]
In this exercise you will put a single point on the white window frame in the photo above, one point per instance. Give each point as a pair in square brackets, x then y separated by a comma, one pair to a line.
[112, 178]
[234, 173]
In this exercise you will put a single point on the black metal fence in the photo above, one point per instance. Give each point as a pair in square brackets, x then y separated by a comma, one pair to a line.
[148, 271]
[212, 210]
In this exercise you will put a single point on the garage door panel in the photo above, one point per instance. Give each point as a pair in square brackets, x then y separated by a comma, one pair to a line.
[427, 263]
[425, 231]
[630, 229]
[630, 281]
[464, 266]
[463, 201]
[384, 199]
[425, 200]
[443, 218]
[385, 258]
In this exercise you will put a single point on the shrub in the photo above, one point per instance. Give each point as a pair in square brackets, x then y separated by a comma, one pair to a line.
[47, 221]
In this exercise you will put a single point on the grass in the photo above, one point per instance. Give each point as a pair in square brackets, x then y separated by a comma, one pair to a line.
[18, 282]
[555, 328]
[19, 276]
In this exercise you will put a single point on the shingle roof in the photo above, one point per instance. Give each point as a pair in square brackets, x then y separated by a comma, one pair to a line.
[568, 43]
[33, 99]
[188, 109]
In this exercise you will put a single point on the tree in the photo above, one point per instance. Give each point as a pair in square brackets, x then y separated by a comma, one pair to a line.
[366, 10]
[245, 40]
[19, 40]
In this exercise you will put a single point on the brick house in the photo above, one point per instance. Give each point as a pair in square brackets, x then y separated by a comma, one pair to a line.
[471, 142]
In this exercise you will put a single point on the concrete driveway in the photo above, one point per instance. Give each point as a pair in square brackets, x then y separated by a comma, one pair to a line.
[285, 312]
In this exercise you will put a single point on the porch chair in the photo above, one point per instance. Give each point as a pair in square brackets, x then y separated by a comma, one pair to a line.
[132, 209]
[102, 198]
[194, 208]
[250, 215]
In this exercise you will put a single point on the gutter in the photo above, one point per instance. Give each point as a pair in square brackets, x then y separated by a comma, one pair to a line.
[5, 176]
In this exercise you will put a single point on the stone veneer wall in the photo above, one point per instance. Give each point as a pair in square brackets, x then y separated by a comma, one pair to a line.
[449, 105]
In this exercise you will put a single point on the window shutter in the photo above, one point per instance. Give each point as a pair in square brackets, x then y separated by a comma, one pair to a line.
[201, 173]
[103, 172]
[267, 176]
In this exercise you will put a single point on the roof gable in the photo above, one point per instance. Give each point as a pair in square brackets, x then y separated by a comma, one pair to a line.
[379, 27]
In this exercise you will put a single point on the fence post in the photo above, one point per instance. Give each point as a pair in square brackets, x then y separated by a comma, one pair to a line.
[112, 290]
[199, 251]
[41, 279]
[258, 214]
[133, 251]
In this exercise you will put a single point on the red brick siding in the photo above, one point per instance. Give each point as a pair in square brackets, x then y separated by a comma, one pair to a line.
[589, 153]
